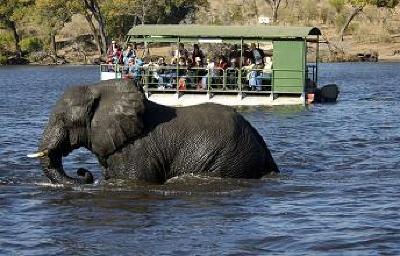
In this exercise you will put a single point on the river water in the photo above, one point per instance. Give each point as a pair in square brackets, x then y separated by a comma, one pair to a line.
[337, 194]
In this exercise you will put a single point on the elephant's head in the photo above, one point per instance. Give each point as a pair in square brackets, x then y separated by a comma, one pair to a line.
[101, 118]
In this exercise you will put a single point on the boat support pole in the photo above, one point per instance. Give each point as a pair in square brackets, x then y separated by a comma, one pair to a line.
[177, 67]
[316, 62]
[240, 67]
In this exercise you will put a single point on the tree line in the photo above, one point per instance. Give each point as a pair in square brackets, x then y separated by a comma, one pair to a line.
[113, 18]
[356, 6]
[106, 18]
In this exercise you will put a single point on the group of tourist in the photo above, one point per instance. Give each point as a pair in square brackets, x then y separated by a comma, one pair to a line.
[115, 54]
[194, 69]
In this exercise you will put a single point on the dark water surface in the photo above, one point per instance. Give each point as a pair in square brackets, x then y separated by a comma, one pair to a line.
[338, 193]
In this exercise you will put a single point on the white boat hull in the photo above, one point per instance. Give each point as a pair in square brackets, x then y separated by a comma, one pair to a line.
[185, 99]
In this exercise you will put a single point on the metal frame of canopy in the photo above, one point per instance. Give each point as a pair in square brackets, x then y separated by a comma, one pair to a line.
[289, 43]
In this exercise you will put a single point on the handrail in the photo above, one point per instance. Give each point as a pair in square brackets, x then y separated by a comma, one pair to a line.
[202, 79]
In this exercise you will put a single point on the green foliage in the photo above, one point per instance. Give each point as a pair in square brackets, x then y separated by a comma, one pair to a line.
[359, 2]
[37, 18]
[6, 11]
[52, 13]
[31, 44]
[377, 3]
[121, 15]
[235, 14]
[10, 10]
[10, 16]
[341, 19]
[3, 59]
[7, 43]
[310, 11]
[359, 5]
[337, 4]
[386, 3]
[379, 35]
[325, 13]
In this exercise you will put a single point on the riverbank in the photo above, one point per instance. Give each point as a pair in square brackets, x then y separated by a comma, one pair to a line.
[331, 51]
[352, 48]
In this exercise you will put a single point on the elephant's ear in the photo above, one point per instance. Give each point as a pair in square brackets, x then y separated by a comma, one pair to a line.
[117, 117]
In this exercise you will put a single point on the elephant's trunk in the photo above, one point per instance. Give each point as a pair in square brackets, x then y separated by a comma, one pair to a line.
[56, 144]
[54, 171]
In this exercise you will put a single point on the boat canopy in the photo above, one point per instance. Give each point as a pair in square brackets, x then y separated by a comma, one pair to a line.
[215, 34]
[290, 72]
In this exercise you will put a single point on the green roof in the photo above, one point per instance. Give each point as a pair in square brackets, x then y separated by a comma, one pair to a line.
[203, 31]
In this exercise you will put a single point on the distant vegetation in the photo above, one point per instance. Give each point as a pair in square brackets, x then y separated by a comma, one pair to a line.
[36, 29]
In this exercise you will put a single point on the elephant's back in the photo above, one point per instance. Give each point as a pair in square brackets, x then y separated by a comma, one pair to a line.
[216, 139]
[219, 123]
[209, 117]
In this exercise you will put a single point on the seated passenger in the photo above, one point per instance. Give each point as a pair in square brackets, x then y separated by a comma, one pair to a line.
[222, 63]
[247, 54]
[268, 63]
[129, 69]
[150, 69]
[232, 73]
[257, 56]
[117, 58]
[112, 49]
[198, 55]
[161, 62]
[265, 76]
[182, 73]
[182, 64]
[190, 63]
[267, 70]
[192, 73]
[198, 72]
[234, 52]
[161, 72]
[221, 66]
[181, 52]
[251, 74]
[135, 69]
[128, 53]
[211, 73]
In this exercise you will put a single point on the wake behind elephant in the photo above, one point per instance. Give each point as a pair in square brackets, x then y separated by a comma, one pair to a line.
[134, 138]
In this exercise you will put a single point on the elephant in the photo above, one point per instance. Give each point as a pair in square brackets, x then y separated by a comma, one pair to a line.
[134, 138]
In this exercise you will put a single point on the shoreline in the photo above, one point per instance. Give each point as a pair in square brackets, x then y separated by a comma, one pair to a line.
[350, 57]
[82, 64]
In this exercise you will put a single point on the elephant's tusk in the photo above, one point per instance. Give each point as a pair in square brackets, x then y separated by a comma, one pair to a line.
[38, 154]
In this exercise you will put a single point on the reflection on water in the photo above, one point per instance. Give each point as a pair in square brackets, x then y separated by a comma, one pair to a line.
[337, 193]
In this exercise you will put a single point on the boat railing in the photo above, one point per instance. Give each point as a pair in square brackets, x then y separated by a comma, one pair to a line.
[311, 72]
[111, 71]
[199, 79]
[247, 80]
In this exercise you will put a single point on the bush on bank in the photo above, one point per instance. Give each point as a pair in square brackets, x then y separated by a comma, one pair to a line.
[6, 42]
[31, 44]
[3, 59]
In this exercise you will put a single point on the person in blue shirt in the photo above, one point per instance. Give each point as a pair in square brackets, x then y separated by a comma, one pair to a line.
[128, 54]
[135, 68]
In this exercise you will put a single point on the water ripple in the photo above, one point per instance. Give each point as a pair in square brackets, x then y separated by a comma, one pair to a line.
[337, 193]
